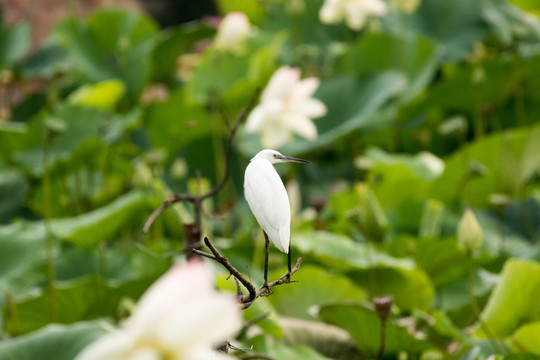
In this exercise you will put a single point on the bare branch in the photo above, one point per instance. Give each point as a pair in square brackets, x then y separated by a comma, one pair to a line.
[223, 261]
[252, 322]
[197, 199]
[243, 114]
[202, 253]
[154, 216]
[253, 294]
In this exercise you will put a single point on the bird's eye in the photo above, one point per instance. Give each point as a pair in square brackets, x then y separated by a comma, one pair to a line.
[275, 156]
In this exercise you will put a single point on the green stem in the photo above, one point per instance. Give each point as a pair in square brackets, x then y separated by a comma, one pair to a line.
[476, 310]
[49, 240]
[13, 314]
[383, 340]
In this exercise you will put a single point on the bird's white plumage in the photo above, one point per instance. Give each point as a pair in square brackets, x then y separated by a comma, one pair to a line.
[268, 200]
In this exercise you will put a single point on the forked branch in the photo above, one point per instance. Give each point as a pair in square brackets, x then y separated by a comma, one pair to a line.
[253, 294]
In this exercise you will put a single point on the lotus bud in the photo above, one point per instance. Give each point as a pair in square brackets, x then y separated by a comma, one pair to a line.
[233, 32]
[469, 232]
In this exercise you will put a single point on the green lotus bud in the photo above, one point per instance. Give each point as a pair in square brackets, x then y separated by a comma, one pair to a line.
[469, 232]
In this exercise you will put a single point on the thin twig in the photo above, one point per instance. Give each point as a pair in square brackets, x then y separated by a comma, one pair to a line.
[202, 253]
[197, 199]
[243, 114]
[253, 321]
[155, 255]
[238, 287]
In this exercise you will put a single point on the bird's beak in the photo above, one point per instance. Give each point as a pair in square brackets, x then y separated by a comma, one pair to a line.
[291, 159]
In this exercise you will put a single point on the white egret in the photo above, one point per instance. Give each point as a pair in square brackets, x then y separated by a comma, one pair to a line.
[269, 202]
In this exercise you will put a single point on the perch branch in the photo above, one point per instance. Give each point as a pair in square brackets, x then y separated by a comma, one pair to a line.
[285, 279]
[253, 294]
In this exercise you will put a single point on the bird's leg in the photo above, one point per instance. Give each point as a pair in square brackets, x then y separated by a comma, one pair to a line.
[266, 254]
[289, 260]
[288, 275]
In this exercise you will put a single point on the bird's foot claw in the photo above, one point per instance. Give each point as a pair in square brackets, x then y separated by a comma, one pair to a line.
[287, 278]
[266, 291]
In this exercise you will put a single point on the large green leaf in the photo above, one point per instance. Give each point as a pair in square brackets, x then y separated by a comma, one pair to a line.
[413, 55]
[527, 338]
[376, 271]
[468, 88]
[342, 253]
[88, 298]
[13, 191]
[411, 288]
[314, 287]
[528, 5]
[454, 25]
[97, 226]
[172, 43]
[47, 61]
[390, 172]
[510, 23]
[327, 339]
[112, 44]
[294, 352]
[508, 161]
[102, 95]
[364, 326]
[22, 255]
[455, 297]
[252, 9]
[14, 42]
[71, 127]
[176, 122]
[54, 342]
[514, 300]
[441, 259]
[229, 69]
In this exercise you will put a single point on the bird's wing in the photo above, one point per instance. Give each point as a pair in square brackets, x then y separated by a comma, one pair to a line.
[268, 200]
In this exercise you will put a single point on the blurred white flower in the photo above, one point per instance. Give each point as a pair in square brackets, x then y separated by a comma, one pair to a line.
[232, 32]
[286, 107]
[180, 317]
[434, 164]
[354, 12]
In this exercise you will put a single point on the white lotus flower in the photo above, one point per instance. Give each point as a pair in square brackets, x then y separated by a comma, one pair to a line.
[180, 317]
[286, 107]
[232, 32]
[354, 12]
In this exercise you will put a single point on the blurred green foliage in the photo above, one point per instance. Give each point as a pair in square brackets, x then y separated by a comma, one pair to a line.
[429, 113]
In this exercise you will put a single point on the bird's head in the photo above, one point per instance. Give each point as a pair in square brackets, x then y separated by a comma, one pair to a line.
[276, 157]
